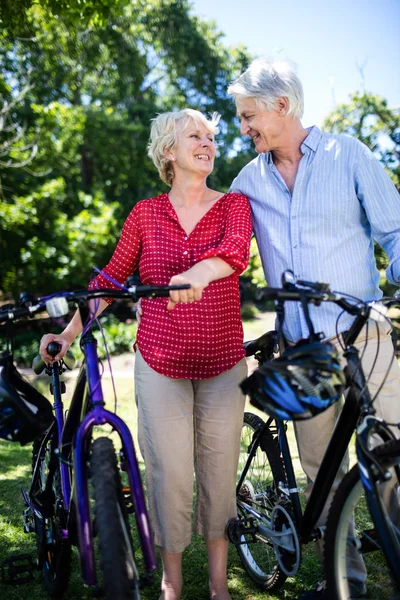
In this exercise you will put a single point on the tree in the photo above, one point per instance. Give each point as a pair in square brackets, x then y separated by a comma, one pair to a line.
[368, 118]
[94, 89]
[14, 152]
[14, 14]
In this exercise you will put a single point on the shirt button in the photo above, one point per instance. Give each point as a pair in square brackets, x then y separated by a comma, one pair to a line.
[295, 246]
[185, 252]
[185, 238]
[294, 217]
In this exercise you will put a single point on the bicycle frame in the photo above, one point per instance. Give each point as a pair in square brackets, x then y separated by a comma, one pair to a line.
[347, 422]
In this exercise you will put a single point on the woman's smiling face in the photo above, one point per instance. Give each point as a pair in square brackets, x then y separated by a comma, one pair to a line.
[195, 148]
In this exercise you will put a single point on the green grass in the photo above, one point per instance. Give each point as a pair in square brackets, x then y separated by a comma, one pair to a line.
[15, 472]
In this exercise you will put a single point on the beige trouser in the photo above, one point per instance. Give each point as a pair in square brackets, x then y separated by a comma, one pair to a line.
[313, 435]
[188, 426]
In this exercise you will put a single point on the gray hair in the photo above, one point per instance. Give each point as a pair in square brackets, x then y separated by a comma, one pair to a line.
[163, 136]
[268, 79]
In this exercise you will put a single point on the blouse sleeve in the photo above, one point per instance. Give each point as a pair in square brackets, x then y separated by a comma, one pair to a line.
[235, 245]
[125, 259]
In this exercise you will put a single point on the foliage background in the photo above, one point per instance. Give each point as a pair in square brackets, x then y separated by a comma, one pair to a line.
[80, 82]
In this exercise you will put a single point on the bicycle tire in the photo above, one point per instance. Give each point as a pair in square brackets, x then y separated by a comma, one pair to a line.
[349, 498]
[117, 563]
[259, 488]
[55, 559]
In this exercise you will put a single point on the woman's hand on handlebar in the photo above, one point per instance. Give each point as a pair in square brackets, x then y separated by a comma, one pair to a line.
[199, 277]
[197, 285]
[61, 338]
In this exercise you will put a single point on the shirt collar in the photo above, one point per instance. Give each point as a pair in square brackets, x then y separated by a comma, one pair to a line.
[310, 143]
[312, 140]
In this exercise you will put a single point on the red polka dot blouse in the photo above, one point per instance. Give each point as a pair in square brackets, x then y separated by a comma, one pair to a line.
[200, 339]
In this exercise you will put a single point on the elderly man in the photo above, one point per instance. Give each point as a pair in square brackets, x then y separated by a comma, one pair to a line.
[318, 203]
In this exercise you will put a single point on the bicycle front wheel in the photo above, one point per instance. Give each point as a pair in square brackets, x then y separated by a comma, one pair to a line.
[260, 490]
[117, 560]
[350, 541]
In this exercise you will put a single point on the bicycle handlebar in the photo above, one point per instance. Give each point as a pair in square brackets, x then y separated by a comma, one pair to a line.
[57, 304]
[313, 293]
[312, 296]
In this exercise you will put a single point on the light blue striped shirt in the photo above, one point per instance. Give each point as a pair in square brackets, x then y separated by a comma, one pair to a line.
[342, 200]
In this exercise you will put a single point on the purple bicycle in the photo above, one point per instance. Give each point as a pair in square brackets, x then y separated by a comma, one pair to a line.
[71, 469]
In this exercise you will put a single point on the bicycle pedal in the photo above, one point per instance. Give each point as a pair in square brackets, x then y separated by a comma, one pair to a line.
[128, 500]
[18, 569]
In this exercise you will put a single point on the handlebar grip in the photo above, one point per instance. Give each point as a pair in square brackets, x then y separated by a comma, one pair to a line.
[156, 291]
[38, 364]
[53, 348]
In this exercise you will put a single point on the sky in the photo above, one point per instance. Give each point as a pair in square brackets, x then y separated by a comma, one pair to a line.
[331, 42]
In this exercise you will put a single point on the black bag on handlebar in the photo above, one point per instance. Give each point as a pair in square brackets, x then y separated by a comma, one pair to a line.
[24, 412]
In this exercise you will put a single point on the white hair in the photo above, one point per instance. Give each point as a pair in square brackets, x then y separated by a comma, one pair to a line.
[268, 79]
[163, 136]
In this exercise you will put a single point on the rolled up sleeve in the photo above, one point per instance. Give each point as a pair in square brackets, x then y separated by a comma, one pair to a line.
[381, 203]
[234, 248]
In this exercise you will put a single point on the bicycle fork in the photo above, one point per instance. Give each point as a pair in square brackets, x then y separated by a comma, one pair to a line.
[100, 416]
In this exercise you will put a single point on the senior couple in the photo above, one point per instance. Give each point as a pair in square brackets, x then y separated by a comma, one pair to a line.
[316, 202]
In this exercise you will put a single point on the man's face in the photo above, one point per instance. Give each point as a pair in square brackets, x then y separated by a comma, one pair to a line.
[262, 125]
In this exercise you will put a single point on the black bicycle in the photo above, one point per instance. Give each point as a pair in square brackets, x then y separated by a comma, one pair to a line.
[272, 526]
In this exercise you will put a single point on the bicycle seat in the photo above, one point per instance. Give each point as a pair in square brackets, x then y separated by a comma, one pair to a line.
[267, 344]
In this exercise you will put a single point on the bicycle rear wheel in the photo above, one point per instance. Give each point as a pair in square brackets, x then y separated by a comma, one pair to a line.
[260, 490]
[54, 550]
[344, 536]
[117, 560]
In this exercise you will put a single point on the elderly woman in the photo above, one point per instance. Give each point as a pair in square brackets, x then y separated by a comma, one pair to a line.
[189, 358]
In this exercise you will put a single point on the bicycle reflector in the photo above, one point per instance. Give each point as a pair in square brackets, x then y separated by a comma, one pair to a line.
[303, 382]
[57, 307]
[24, 412]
